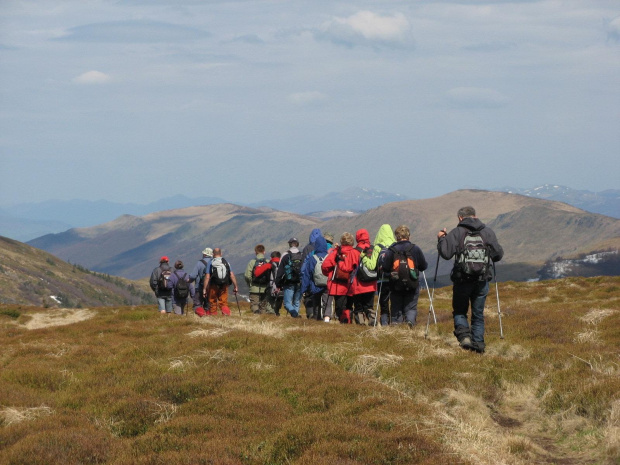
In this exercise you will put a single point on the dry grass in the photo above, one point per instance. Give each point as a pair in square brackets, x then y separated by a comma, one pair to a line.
[126, 386]
[12, 415]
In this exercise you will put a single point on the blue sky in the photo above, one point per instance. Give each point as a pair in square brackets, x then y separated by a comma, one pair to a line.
[135, 100]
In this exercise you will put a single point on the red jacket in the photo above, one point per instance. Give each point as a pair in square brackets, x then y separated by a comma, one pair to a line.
[348, 264]
[359, 287]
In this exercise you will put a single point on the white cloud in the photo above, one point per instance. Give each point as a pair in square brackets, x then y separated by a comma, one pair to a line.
[92, 77]
[366, 27]
[476, 97]
[304, 98]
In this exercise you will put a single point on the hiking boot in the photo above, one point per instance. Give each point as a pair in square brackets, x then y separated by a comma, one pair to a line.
[226, 311]
[466, 343]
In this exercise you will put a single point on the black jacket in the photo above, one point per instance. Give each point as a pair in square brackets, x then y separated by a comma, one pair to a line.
[449, 245]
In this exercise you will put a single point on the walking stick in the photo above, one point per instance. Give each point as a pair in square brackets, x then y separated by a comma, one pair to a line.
[237, 299]
[499, 311]
[377, 315]
[428, 321]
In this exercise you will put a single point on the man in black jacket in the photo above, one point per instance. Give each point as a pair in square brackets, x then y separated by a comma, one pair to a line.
[475, 248]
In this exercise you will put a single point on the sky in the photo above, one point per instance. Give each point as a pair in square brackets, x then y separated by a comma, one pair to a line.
[137, 100]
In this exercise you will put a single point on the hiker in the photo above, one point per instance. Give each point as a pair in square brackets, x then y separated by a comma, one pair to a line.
[383, 239]
[338, 267]
[313, 281]
[159, 284]
[275, 297]
[404, 262]
[329, 238]
[197, 276]
[328, 300]
[219, 276]
[288, 277]
[364, 284]
[475, 248]
[307, 299]
[182, 288]
[257, 276]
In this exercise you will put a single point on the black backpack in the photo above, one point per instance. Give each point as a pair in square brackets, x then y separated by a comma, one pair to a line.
[263, 279]
[292, 269]
[404, 275]
[181, 289]
[164, 276]
[473, 258]
[363, 273]
[220, 272]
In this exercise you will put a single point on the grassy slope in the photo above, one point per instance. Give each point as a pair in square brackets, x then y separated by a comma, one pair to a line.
[30, 276]
[129, 386]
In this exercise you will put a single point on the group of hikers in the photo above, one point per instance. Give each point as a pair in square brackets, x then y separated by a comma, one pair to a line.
[339, 281]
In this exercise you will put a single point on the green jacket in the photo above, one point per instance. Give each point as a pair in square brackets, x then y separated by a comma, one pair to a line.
[254, 289]
[385, 237]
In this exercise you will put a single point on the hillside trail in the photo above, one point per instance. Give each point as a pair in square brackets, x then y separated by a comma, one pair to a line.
[58, 317]
[513, 431]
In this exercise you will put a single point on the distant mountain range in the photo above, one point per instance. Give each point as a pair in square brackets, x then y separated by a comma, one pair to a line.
[605, 202]
[531, 230]
[27, 221]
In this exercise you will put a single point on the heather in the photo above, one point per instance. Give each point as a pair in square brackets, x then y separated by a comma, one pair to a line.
[125, 385]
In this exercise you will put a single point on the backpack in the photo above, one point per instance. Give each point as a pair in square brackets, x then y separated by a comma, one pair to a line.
[292, 269]
[164, 276]
[473, 258]
[363, 273]
[318, 278]
[181, 289]
[404, 274]
[381, 265]
[220, 272]
[338, 274]
[261, 272]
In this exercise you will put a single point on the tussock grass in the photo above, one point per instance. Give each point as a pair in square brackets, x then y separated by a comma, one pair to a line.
[127, 386]
[11, 415]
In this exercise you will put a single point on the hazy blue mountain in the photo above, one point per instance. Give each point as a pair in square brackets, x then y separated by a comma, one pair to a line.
[25, 229]
[606, 202]
[26, 221]
[354, 199]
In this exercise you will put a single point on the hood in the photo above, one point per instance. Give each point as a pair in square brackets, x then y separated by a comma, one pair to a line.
[314, 235]
[363, 238]
[473, 224]
[385, 236]
[320, 246]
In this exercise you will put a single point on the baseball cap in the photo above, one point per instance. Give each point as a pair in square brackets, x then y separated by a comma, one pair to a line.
[163, 259]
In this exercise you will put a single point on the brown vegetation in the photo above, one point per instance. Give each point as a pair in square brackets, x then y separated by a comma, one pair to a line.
[131, 386]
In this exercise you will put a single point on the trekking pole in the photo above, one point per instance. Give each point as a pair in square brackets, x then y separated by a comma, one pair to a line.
[377, 314]
[499, 311]
[431, 309]
[237, 299]
[428, 321]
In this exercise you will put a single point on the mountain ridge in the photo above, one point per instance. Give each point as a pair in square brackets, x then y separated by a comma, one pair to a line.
[132, 247]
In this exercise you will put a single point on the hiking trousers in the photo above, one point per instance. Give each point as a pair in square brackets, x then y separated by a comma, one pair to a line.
[258, 302]
[292, 296]
[218, 298]
[405, 306]
[362, 307]
[464, 294]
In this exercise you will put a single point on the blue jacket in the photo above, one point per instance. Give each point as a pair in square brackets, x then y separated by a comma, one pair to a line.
[307, 250]
[307, 268]
[198, 273]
